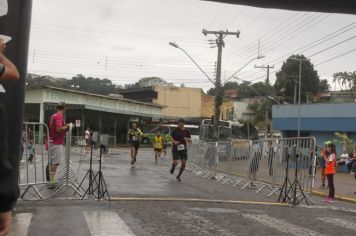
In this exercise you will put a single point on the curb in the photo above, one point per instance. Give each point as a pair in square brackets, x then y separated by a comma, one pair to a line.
[337, 197]
[196, 200]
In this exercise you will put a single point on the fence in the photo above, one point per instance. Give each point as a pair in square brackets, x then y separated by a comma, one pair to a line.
[35, 162]
[33, 159]
[262, 165]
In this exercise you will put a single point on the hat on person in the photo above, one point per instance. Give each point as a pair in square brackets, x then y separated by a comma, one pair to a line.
[328, 142]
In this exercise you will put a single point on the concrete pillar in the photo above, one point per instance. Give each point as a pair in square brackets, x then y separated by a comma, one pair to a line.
[41, 121]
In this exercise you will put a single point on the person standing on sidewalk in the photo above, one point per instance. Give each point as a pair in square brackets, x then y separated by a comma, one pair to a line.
[57, 130]
[9, 190]
[180, 137]
[324, 154]
[134, 136]
[330, 161]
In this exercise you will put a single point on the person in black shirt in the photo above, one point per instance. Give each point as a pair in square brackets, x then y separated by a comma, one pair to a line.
[9, 191]
[180, 137]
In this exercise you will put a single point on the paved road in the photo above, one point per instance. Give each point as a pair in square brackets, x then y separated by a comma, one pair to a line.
[162, 217]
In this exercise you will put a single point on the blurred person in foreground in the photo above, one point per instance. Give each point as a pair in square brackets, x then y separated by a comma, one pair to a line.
[8, 174]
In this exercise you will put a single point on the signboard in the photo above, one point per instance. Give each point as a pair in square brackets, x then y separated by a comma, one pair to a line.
[3, 7]
[77, 123]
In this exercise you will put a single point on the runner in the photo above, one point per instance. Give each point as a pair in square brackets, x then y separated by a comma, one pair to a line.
[180, 137]
[134, 136]
[57, 130]
[158, 143]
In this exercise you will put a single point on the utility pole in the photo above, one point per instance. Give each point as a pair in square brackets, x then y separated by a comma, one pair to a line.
[267, 94]
[220, 35]
[300, 59]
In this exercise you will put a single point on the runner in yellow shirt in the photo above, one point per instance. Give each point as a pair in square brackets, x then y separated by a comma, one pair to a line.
[158, 143]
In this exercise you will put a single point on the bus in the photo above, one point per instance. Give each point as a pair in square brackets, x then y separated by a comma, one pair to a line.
[225, 130]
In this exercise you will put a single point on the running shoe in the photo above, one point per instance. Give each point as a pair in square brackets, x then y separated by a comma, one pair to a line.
[178, 178]
[326, 199]
[132, 162]
[52, 185]
[172, 170]
[331, 200]
[135, 159]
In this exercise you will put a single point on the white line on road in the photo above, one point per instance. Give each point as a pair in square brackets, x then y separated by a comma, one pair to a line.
[340, 223]
[105, 223]
[281, 225]
[20, 225]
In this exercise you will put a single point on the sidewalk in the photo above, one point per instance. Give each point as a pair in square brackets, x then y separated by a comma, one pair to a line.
[345, 186]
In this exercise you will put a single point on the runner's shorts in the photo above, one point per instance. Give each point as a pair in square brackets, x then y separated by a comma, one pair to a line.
[136, 145]
[179, 155]
[56, 153]
[158, 149]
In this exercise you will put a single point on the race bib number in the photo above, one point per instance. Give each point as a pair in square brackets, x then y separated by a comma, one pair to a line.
[181, 147]
[134, 138]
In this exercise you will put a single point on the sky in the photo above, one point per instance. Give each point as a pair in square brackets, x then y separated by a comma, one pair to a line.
[125, 40]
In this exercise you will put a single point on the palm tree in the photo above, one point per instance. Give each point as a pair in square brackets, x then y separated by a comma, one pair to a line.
[347, 79]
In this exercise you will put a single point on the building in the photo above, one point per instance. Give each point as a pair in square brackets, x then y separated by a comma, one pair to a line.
[105, 114]
[318, 120]
[241, 111]
[178, 102]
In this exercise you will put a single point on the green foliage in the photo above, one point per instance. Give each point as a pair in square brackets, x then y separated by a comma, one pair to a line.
[78, 82]
[259, 109]
[246, 90]
[287, 79]
[344, 140]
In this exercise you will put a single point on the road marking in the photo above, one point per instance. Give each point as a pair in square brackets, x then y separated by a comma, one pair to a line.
[340, 223]
[195, 200]
[281, 225]
[21, 223]
[106, 223]
[197, 224]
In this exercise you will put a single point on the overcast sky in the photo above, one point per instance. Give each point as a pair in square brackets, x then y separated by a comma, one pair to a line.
[125, 40]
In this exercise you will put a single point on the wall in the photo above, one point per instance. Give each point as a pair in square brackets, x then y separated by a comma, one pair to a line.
[241, 112]
[180, 102]
[207, 110]
[316, 117]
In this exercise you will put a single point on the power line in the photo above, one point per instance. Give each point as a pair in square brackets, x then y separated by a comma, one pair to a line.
[217, 16]
[314, 44]
[276, 43]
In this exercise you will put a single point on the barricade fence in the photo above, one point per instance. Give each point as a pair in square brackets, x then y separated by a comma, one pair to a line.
[35, 165]
[262, 165]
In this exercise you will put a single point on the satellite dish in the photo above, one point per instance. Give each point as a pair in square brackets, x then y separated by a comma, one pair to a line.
[3, 7]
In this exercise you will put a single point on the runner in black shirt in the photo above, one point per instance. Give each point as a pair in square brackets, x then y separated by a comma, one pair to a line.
[180, 137]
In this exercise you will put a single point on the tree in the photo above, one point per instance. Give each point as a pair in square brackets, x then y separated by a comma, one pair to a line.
[287, 79]
[259, 109]
[346, 79]
[324, 85]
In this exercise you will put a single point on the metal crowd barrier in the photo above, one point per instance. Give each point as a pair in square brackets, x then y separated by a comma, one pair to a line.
[260, 165]
[33, 159]
[34, 175]
[67, 176]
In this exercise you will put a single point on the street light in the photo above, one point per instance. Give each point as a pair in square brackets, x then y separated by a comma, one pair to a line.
[173, 44]
[233, 75]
